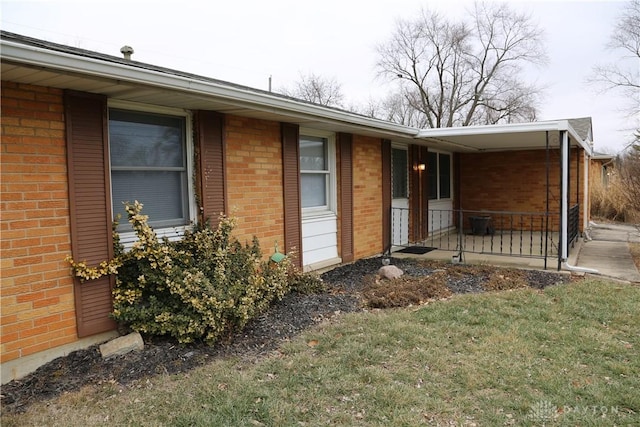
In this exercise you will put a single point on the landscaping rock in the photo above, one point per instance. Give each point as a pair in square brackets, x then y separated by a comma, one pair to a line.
[122, 345]
[390, 272]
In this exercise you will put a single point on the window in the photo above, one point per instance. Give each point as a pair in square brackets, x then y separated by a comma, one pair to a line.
[317, 181]
[439, 171]
[399, 167]
[444, 175]
[149, 164]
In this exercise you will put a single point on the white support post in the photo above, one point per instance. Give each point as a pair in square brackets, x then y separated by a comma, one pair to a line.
[564, 198]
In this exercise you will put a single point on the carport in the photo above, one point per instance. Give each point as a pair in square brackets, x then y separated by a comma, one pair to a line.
[529, 179]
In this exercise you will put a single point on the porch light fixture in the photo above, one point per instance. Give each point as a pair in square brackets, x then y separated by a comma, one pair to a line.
[421, 167]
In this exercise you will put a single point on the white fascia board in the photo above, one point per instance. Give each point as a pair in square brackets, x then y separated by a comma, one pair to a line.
[504, 129]
[84, 65]
[603, 156]
[488, 129]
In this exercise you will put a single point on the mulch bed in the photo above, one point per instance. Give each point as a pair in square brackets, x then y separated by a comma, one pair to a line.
[284, 320]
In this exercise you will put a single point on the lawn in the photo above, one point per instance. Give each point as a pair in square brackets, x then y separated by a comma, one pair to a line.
[565, 355]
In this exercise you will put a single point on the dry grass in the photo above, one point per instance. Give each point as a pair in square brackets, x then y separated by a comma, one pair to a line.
[634, 248]
[610, 202]
[619, 200]
[404, 291]
[407, 291]
[505, 280]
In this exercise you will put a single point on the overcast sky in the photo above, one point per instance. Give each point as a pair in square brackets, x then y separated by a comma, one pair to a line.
[245, 42]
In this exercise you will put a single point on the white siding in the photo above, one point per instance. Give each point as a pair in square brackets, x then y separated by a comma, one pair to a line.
[320, 240]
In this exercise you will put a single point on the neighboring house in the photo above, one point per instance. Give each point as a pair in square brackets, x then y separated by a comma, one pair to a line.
[602, 166]
[83, 131]
[601, 169]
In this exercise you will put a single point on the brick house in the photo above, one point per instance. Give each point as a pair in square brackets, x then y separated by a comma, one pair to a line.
[602, 166]
[84, 131]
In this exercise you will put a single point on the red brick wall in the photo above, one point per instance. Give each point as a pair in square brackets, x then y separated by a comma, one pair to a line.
[516, 181]
[37, 290]
[254, 180]
[367, 196]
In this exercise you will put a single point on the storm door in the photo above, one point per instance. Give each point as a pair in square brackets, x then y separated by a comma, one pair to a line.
[400, 196]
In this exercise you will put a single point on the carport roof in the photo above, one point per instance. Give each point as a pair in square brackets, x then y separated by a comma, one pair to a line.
[33, 61]
[513, 136]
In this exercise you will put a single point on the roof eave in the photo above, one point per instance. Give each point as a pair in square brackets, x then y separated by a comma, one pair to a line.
[65, 62]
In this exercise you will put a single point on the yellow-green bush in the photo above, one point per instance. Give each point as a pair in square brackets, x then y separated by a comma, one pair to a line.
[202, 287]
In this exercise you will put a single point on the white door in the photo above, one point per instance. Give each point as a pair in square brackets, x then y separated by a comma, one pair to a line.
[400, 196]
[440, 191]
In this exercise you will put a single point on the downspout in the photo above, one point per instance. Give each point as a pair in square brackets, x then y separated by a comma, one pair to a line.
[564, 208]
[575, 268]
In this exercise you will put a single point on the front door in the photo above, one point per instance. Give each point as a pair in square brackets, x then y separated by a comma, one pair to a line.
[400, 196]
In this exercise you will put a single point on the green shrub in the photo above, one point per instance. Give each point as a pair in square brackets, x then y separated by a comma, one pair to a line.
[306, 283]
[202, 287]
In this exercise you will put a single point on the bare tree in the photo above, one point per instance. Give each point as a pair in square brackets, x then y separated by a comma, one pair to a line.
[317, 89]
[622, 196]
[395, 107]
[623, 76]
[626, 39]
[468, 72]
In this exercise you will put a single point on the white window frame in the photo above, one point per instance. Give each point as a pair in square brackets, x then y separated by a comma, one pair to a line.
[438, 198]
[176, 232]
[332, 200]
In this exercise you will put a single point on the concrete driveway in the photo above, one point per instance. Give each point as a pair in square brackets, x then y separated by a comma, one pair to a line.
[606, 249]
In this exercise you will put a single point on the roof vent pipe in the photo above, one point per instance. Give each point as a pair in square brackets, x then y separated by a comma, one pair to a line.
[127, 51]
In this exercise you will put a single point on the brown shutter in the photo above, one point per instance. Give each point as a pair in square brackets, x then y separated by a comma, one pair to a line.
[456, 181]
[90, 206]
[386, 195]
[424, 182]
[211, 155]
[345, 142]
[291, 189]
[419, 197]
[414, 195]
